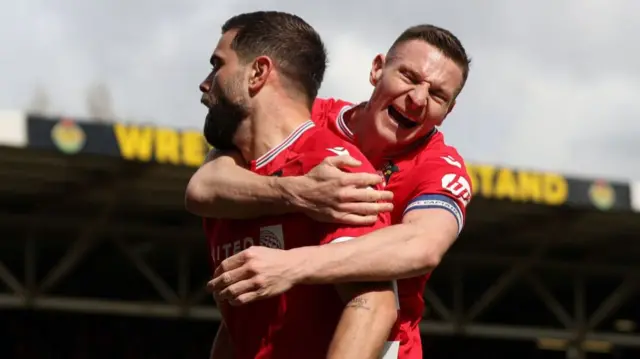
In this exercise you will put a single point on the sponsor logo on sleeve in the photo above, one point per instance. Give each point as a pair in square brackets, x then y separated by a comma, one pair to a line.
[458, 186]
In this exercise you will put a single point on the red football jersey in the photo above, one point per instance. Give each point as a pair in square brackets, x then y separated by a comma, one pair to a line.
[432, 175]
[301, 322]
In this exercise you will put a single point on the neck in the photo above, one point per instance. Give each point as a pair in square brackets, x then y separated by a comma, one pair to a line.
[358, 121]
[269, 126]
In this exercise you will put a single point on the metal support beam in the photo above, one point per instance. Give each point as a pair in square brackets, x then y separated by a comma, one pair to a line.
[458, 295]
[30, 265]
[549, 300]
[185, 302]
[87, 239]
[10, 280]
[156, 280]
[614, 301]
[184, 264]
[99, 306]
[516, 332]
[508, 278]
[437, 305]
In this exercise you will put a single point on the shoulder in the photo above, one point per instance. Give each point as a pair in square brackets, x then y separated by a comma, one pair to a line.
[326, 108]
[323, 143]
[438, 154]
[440, 167]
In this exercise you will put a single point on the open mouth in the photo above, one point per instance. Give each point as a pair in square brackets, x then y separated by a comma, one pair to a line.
[400, 119]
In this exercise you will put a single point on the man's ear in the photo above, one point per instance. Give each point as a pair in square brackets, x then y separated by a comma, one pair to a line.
[376, 69]
[260, 70]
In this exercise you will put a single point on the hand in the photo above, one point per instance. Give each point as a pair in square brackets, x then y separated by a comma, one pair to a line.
[328, 194]
[255, 273]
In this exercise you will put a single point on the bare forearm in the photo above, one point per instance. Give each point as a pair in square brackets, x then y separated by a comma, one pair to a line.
[235, 193]
[393, 252]
[222, 347]
[365, 323]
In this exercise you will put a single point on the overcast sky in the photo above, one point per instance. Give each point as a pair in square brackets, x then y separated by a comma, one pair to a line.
[551, 86]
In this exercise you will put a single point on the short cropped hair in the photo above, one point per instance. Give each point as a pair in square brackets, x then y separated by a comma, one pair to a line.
[295, 47]
[441, 39]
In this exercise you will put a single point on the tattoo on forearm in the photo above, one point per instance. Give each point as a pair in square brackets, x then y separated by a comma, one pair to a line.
[358, 303]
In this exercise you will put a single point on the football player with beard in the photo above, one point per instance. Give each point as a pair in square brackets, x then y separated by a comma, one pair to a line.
[267, 69]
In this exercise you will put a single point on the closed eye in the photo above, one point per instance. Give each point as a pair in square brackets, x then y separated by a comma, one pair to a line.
[410, 76]
[440, 96]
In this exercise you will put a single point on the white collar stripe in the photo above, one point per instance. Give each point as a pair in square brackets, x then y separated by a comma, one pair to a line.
[274, 152]
[342, 126]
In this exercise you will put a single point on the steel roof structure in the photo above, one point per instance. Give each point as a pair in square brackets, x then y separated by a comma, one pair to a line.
[92, 220]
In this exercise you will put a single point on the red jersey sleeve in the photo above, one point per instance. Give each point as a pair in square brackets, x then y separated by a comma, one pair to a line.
[337, 232]
[441, 182]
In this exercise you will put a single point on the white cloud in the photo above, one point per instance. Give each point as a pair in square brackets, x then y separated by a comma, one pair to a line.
[348, 73]
[551, 85]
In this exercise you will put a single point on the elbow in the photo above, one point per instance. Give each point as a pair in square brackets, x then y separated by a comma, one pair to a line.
[423, 254]
[423, 261]
[429, 262]
[197, 200]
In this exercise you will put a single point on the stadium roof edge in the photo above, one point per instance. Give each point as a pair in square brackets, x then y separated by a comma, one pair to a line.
[151, 143]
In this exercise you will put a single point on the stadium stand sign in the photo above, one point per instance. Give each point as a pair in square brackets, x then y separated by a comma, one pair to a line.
[548, 188]
[188, 148]
[131, 142]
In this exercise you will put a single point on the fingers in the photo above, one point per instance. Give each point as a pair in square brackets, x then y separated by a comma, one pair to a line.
[361, 180]
[342, 161]
[357, 220]
[233, 262]
[366, 209]
[245, 298]
[347, 195]
[223, 280]
[359, 214]
[236, 290]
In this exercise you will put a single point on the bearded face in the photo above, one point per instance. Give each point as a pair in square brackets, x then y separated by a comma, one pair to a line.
[227, 109]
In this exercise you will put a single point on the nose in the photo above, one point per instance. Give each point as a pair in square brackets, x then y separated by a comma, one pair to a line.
[418, 97]
[205, 86]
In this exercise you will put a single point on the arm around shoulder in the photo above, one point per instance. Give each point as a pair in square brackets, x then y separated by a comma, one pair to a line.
[223, 188]
[408, 249]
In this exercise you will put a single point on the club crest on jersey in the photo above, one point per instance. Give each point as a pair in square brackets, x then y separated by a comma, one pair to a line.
[389, 169]
[272, 237]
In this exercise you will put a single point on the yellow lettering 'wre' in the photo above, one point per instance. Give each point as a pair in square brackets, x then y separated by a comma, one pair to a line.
[167, 146]
[520, 186]
[134, 142]
[160, 144]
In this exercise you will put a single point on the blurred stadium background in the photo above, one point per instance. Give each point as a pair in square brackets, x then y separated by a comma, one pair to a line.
[98, 258]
